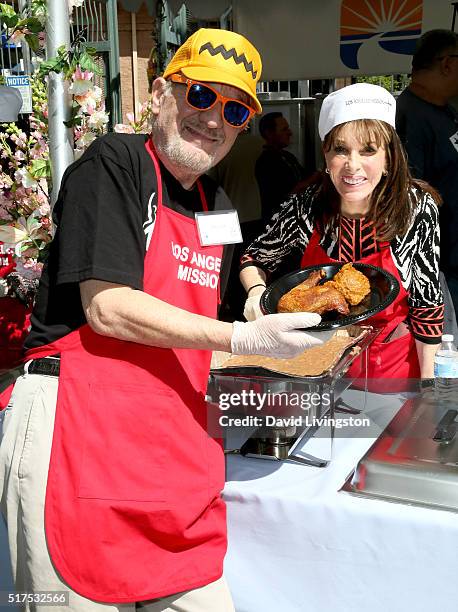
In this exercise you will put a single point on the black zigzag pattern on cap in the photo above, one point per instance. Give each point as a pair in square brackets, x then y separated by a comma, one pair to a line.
[238, 59]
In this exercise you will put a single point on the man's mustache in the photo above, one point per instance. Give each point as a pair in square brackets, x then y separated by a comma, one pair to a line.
[217, 134]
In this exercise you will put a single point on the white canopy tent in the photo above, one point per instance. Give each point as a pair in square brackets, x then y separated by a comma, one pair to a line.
[306, 39]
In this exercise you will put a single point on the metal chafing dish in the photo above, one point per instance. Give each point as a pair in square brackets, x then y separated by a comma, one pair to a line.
[415, 460]
[281, 441]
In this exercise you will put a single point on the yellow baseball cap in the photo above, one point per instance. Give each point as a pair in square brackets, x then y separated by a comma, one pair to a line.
[219, 56]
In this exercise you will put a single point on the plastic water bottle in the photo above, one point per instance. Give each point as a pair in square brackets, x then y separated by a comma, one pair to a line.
[446, 370]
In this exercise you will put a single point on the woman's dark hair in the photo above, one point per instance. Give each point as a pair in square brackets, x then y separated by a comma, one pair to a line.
[392, 201]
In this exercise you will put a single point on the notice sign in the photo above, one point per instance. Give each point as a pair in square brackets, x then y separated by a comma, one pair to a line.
[23, 84]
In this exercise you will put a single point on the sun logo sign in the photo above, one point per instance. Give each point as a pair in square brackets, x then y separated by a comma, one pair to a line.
[371, 29]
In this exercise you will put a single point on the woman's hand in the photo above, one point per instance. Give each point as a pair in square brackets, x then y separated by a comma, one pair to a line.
[252, 309]
[254, 281]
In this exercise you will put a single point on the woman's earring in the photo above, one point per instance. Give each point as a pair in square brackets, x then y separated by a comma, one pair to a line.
[327, 170]
[385, 172]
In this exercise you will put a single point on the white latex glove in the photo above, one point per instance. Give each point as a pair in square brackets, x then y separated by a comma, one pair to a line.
[277, 335]
[252, 309]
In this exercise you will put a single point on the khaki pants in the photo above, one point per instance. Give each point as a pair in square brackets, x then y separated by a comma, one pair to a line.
[25, 448]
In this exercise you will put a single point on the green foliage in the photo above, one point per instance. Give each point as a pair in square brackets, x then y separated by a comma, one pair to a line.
[86, 60]
[39, 8]
[6, 10]
[56, 64]
[66, 61]
[40, 168]
[8, 15]
[33, 24]
[75, 118]
[32, 41]
[27, 23]
[396, 82]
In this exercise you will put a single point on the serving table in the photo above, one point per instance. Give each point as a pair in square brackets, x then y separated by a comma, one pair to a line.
[299, 544]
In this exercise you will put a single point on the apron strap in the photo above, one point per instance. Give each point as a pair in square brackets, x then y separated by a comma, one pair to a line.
[203, 198]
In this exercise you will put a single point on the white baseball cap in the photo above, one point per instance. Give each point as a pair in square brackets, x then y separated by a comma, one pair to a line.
[358, 101]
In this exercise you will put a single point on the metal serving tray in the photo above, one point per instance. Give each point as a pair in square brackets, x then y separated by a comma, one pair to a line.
[415, 460]
[279, 443]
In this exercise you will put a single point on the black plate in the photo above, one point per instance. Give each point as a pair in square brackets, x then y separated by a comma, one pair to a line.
[384, 289]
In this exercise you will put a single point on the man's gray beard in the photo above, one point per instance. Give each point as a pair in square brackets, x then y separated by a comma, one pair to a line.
[174, 150]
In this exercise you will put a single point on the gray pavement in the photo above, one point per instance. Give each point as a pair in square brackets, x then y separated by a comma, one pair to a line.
[6, 580]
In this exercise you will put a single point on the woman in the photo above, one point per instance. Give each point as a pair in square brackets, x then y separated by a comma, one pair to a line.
[365, 207]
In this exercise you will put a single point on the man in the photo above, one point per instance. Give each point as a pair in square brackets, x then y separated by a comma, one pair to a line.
[277, 170]
[235, 173]
[119, 353]
[428, 126]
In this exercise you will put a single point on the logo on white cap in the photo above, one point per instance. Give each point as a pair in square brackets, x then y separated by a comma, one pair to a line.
[368, 101]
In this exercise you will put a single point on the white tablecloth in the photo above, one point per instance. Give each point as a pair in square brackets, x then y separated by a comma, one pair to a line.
[297, 544]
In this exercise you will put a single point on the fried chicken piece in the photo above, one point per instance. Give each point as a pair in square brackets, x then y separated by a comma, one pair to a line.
[353, 284]
[311, 281]
[323, 298]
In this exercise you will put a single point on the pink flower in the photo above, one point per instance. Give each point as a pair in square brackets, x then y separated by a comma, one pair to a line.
[98, 119]
[85, 139]
[5, 214]
[6, 182]
[82, 82]
[29, 268]
[90, 100]
[122, 128]
[24, 177]
[18, 36]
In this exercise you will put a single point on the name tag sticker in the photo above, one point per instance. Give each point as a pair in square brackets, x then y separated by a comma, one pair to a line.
[454, 140]
[218, 227]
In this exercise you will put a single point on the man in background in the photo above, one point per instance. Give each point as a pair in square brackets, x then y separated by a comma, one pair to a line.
[235, 174]
[428, 126]
[277, 170]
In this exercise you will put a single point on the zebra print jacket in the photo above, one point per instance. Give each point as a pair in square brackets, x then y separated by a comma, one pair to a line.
[280, 247]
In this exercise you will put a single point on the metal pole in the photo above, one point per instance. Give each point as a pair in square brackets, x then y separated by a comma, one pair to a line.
[133, 26]
[59, 100]
[455, 10]
[23, 5]
[114, 77]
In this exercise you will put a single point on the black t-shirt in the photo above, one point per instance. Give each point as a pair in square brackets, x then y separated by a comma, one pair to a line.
[430, 136]
[104, 216]
[277, 173]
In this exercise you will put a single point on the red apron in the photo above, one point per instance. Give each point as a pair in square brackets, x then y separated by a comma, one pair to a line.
[387, 359]
[133, 508]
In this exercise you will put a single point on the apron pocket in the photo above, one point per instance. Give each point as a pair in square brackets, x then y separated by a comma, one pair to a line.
[125, 442]
[395, 358]
[398, 332]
